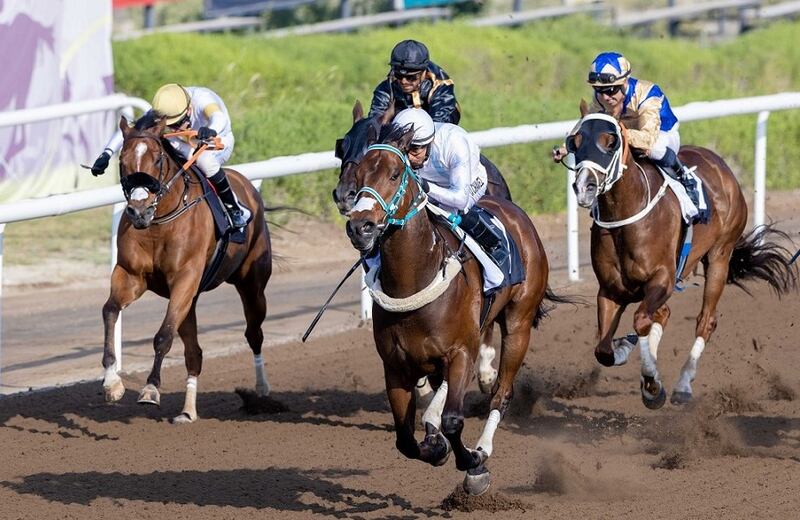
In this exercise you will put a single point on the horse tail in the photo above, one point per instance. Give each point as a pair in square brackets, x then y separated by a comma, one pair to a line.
[555, 299]
[756, 256]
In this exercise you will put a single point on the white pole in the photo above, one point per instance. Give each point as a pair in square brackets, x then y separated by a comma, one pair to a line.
[366, 300]
[760, 173]
[2, 237]
[119, 207]
[573, 259]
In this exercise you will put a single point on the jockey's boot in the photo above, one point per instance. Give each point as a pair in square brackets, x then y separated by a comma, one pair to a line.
[679, 171]
[477, 223]
[239, 215]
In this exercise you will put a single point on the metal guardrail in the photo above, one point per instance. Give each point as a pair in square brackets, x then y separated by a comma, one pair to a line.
[225, 23]
[629, 19]
[358, 22]
[518, 18]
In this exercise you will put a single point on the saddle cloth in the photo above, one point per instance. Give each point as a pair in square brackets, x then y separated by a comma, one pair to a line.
[688, 210]
[222, 224]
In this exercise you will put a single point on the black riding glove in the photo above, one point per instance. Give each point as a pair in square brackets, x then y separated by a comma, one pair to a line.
[205, 132]
[100, 165]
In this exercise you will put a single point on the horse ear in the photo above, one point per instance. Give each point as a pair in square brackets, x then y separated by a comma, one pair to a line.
[584, 108]
[404, 143]
[387, 116]
[372, 134]
[124, 126]
[161, 124]
[358, 112]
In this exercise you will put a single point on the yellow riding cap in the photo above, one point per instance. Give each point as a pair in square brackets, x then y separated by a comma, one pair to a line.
[171, 101]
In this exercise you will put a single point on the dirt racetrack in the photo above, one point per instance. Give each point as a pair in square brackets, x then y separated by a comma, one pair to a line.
[578, 443]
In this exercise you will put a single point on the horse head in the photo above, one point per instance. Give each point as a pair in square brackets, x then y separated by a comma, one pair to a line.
[142, 163]
[381, 184]
[351, 148]
[597, 146]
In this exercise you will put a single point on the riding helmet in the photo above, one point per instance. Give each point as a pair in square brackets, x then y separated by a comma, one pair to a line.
[409, 56]
[422, 124]
[172, 102]
[609, 68]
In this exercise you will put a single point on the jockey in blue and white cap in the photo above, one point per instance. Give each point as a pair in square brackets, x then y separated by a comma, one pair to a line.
[644, 110]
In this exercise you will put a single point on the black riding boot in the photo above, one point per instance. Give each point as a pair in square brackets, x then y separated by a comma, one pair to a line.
[237, 214]
[477, 224]
[673, 166]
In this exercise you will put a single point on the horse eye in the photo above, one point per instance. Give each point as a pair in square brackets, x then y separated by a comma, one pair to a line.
[571, 145]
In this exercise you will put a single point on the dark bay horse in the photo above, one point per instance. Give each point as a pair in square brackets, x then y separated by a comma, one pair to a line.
[351, 150]
[363, 133]
[637, 237]
[165, 242]
[440, 338]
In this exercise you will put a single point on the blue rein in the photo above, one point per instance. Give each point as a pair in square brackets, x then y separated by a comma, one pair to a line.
[391, 207]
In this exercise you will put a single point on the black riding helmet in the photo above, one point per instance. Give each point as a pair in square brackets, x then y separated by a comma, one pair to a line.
[409, 56]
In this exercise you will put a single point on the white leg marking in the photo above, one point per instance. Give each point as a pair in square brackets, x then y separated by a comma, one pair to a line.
[689, 369]
[190, 404]
[622, 348]
[433, 414]
[486, 372]
[648, 363]
[656, 331]
[111, 377]
[262, 384]
[485, 442]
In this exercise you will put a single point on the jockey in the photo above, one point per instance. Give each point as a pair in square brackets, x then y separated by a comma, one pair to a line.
[447, 161]
[200, 109]
[415, 81]
[644, 110]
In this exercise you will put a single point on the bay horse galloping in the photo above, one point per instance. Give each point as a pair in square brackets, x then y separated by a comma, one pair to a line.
[439, 336]
[637, 238]
[166, 241]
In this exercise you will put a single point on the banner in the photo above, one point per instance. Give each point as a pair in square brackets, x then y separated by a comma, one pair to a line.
[55, 51]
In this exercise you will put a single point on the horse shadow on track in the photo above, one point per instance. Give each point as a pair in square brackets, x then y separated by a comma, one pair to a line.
[282, 489]
[64, 408]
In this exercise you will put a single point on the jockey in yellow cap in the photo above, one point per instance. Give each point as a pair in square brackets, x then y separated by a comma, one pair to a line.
[200, 109]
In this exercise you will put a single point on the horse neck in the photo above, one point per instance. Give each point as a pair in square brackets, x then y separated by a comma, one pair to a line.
[171, 200]
[410, 257]
[628, 195]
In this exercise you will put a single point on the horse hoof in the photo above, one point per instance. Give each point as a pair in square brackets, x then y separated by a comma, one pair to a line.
[654, 403]
[477, 481]
[183, 418]
[605, 358]
[436, 449]
[114, 391]
[149, 395]
[486, 381]
[680, 398]
[263, 390]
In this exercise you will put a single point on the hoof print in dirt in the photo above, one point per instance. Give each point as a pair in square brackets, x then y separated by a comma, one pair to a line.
[254, 404]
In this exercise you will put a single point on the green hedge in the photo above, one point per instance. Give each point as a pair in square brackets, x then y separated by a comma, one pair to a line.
[294, 94]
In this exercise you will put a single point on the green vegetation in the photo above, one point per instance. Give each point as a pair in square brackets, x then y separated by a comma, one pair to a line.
[295, 94]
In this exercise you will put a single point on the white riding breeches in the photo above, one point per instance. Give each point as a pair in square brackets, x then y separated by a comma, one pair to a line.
[670, 139]
[210, 161]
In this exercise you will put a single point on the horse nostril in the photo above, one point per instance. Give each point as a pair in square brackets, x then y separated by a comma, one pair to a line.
[335, 198]
[351, 195]
[130, 212]
[367, 228]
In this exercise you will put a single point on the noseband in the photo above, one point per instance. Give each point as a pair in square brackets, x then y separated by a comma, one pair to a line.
[390, 208]
[615, 168]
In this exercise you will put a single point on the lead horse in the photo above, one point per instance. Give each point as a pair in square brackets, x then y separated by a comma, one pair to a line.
[636, 241]
[439, 337]
[166, 239]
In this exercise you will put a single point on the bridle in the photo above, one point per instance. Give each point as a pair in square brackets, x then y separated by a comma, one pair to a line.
[390, 208]
[616, 167]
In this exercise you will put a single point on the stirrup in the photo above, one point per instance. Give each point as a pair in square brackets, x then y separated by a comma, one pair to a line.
[237, 216]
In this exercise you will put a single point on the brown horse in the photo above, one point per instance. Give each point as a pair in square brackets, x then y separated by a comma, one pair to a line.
[637, 238]
[166, 239]
[439, 337]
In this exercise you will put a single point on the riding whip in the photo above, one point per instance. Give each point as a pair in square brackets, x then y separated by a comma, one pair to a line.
[796, 255]
[324, 307]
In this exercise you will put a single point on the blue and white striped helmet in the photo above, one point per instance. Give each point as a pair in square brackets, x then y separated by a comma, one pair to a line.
[609, 68]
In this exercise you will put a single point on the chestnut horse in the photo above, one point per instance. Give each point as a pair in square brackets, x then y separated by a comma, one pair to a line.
[351, 148]
[637, 237]
[441, 338]
[166, 239]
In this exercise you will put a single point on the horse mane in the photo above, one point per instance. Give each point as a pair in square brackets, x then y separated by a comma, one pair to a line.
[391, 132]
[148, 120]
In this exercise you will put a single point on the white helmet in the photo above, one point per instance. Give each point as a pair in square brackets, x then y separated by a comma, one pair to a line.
[423, 125]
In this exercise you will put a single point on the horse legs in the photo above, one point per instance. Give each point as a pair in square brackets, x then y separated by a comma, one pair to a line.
[251, 292]
[487, 374]
[458, 373]
[181, 299]
[609, 352]
[404, 410]
[716, 276]
[647, 324]
[125, 289]
[193, 357]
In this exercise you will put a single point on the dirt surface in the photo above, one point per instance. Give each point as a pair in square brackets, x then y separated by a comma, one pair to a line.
[577, 443]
